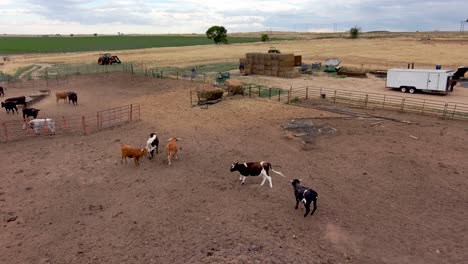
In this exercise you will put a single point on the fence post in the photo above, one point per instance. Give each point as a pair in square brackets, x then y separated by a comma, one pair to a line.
[402, 104]
[259, 90]
[131, 68]
[289, 94]
[270, 94]
[5, 131]
[445, 109]
[454, 108]
[83, 121]
[191, 102]
[178, 76]
[98, 120]
[46, 127]
[334, 97]
[250, 90]
[307, 92]
[279, 95]
[366, 100]
[131, 112]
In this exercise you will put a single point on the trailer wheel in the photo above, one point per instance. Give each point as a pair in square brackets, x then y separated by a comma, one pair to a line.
[412, 90]
[403, 89]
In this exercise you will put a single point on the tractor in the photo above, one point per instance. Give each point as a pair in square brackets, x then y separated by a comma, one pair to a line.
[106, 58]
[274, 50]
[221, 77]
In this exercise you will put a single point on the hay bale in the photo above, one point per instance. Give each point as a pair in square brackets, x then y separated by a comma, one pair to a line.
[234, 87]
[208, 94]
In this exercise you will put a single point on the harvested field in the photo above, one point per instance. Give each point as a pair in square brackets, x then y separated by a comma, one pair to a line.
[374, 53]
[384, 196]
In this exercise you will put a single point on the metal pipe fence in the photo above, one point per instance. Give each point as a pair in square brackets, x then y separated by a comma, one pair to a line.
[74, 124]
[450, 110]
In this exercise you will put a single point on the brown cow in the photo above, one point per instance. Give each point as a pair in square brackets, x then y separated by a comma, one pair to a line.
[61, 95]
[131, 152]
[171, 149]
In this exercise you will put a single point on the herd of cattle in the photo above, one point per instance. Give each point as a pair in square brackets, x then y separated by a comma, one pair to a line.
[37, 125]
[303, 194]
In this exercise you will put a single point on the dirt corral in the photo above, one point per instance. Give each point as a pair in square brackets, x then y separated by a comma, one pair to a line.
[389, 192]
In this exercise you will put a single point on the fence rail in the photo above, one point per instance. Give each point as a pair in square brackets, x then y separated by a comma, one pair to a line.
[450, 110]
[75, 124]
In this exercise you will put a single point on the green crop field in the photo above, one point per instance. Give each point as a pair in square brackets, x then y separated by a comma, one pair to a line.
[45, 44]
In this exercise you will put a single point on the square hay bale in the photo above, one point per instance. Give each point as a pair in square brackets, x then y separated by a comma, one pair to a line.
[234, 87]
[208, 94]
[297, 60]
[250, 55]
[274, 63]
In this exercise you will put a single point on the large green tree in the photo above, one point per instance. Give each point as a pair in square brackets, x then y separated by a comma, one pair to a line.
[354, 32]
[218, 34]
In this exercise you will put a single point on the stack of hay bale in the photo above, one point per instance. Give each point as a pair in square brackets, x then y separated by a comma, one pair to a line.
[271, 64]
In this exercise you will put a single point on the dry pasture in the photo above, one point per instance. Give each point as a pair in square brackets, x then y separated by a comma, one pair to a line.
[384, 197]
[379, 52]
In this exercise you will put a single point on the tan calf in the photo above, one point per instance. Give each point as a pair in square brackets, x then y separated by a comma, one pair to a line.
[131, 152]
[171, 149]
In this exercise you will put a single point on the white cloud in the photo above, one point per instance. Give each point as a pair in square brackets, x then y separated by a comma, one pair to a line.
[187, 16]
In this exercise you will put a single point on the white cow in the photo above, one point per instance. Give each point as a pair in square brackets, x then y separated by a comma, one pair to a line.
[43, 123]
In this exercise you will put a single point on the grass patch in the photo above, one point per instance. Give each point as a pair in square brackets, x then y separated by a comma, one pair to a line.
[104, 43]
[21, 70]
[205, 68]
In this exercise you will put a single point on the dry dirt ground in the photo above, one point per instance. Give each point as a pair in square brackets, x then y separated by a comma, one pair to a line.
[384, 196]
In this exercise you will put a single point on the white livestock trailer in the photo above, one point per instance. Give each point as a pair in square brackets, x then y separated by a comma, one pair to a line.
[412, 80]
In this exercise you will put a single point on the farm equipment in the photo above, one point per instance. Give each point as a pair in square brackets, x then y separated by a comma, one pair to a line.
[221, 77]
[331, 65]
[107, 58]
[274, 50]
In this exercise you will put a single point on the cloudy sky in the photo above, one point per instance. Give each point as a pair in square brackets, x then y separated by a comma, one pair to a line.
[191, 16]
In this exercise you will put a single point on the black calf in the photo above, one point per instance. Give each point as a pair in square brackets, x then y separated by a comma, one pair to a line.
[304, 195]
[27, 112]
[73, 97]
[10, 106]
[17, 100]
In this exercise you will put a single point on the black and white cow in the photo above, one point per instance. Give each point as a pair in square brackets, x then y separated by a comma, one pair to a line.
[43, 123]
[10, 106]
[2, 92]
[254, 169]
[27, 112]
[73, 97]
[151, 144]
[304, 195]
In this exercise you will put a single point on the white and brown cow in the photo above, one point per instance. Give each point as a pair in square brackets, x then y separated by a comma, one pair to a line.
[254, 169]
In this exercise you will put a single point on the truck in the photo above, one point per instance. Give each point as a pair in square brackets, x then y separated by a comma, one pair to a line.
[425, 80]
